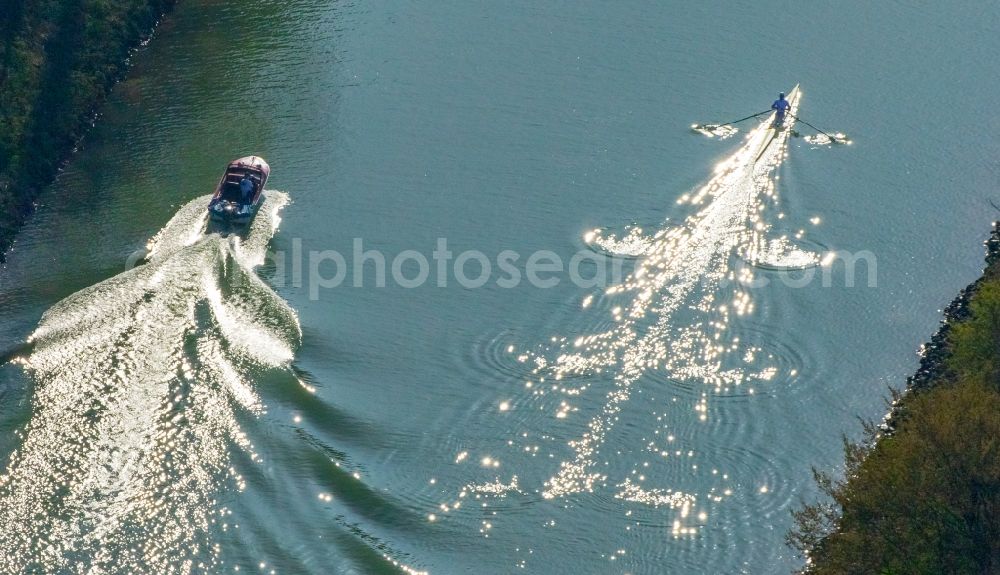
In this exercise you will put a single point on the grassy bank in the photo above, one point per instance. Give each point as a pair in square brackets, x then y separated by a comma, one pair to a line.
[922, 491]
[58, 59]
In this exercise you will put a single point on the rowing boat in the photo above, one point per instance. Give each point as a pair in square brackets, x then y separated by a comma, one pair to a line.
[777, 133]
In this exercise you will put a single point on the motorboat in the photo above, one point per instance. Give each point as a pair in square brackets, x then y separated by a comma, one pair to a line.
[240, 192]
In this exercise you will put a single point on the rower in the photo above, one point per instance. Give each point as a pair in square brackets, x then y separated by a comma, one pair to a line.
[780, 106]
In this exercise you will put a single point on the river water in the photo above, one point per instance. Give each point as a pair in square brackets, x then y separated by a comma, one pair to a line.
[225, 407]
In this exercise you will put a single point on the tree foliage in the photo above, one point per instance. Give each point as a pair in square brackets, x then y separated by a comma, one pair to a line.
[926, 498]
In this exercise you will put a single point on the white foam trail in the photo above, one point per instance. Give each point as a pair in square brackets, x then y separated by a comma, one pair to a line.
[139, 383]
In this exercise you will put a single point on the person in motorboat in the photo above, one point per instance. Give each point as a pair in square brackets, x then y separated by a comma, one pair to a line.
[246, 188]
[780, 107]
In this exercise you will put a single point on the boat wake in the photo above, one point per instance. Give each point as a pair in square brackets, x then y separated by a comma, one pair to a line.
[684, 269]
[140, 385]
[670, 320]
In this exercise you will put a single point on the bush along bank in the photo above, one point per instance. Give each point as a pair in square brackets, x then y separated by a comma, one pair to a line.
[58, 60]
[921, 493]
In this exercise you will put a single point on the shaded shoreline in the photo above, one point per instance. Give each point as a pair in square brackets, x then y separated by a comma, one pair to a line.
[58, 62]
[935, 353]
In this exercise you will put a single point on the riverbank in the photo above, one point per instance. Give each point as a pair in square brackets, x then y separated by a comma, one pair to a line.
[58, 61]
[922, 490]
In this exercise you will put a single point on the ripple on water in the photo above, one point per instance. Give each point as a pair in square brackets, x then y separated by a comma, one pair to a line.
[499, 356]
[695, 476]
[503, 358]
[629, 242]
[790, 252]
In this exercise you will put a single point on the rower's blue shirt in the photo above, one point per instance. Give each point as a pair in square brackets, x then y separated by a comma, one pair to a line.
[781, 105]
[246, 185]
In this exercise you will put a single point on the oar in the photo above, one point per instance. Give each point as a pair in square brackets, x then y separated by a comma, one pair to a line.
[833, 139]
[714, 126]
